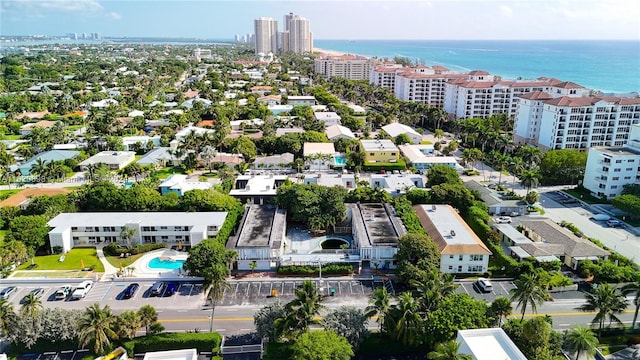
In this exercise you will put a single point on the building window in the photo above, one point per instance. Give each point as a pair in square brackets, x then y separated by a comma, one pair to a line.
[614, 187]
[370, 154]
[474, 268]
[212, 228]
[450, 256]
[74, 228]
[476, 257]
[618, 161]
[460, 257]
[75, 238]
[616, 170]
[450, 267]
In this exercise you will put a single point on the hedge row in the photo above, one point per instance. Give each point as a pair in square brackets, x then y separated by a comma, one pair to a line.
[233, 216]
[408, 215]
[114, 249]
[377, 167]
[342, 269]
[203, 342]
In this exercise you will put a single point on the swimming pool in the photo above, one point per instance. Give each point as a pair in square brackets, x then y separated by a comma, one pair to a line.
[162, 263]
[340, 160]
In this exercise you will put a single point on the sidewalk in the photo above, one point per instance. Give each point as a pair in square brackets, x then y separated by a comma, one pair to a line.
[109, 270]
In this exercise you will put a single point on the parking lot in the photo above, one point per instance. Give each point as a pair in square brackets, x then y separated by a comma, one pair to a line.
[187, 295]
[242, 292]
[500, 288]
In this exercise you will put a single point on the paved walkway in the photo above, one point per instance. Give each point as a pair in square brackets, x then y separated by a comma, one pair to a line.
[109, 270]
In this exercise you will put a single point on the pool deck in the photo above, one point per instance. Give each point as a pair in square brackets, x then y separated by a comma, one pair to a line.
[141, 266]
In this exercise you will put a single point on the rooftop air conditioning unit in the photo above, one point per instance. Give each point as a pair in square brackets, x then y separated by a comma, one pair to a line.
[453, 233]
[433, 208]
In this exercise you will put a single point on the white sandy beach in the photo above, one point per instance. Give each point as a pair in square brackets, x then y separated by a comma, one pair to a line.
[327, 52]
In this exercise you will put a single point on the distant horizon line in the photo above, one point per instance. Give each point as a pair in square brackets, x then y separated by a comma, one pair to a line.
[327, 39]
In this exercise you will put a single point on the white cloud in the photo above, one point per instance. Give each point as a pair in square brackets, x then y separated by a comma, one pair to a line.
[506, 11]
[41, 8]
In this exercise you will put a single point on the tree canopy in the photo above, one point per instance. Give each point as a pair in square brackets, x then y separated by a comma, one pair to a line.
[317, 206]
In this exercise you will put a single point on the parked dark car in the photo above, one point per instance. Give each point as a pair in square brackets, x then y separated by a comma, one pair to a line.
[6, 292]
[130, 291]
[157, 289]
[171, 289]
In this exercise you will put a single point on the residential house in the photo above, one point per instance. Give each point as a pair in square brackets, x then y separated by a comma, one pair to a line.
[397, 184]
[379, 151]
[319, 156]
[328, 117]
[488, 344]
[396, 129]
[335, 132]
[422, 157]
[129, 142]
[189, 103]
[171, 228]
[24, 197]
[462, 251]
[279, 109]
[180, 184]
[260, 238]
[301, 100]
[227, 159]
[347, 181]
[494, 200]
[48, 156]
[44, 124]
[274, 162]
[270, 100]
[115, 160]
[32, 115]
[261, 89]
[257, 189]
[159, 158]
[566, 247]
[292, 130]
[103, 104]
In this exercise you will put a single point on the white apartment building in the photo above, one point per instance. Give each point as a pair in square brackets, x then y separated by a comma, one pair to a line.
[352, 67]
[190, 228]
[483, 95]
[424, 84]
[260, 238]
[460, 248]
[488, 344]
[610, 168]
[266, 35]
[578, 123]
[385, 75]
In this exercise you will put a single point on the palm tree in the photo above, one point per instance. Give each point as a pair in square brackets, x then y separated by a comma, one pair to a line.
[301, 311]
[31, 307]
[433, 288]
[148, 315]
[528, 291]
[215, 283]
[379, 304]
[633, 289]
[581, 340]
[7, 316]
[127, 234]
[606, 301]
[253, 265]
[96, 326]
[208, 154]
[404, 321]
[39, 167]
[449, 350]
[127, 324]
[529, 179]
[501, 307]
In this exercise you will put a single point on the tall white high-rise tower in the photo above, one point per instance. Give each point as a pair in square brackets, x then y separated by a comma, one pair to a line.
[266, 35]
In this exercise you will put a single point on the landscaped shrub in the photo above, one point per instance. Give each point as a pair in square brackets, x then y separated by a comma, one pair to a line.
[378, 167]
[114, 249]
[314, 270]
[405, 211]
[203, 342]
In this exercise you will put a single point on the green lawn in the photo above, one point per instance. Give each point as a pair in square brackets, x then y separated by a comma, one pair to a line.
[585, 196]
[165, 172]
[425, 142]
[126, 262]
[74, 260]
[4, 194]
[11, 137]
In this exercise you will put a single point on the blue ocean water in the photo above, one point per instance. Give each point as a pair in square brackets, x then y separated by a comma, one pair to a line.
[609, 66]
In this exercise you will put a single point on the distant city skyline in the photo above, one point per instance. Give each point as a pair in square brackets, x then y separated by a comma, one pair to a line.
[333, 19]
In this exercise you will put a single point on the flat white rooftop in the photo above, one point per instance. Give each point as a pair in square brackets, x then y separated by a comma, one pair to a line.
[378, 145]
[144, 218]
[186, 354]
[488, 344]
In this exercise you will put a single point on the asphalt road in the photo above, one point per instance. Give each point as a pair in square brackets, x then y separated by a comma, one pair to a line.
[186, 310]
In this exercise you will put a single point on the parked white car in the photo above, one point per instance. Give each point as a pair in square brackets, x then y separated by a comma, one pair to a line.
[82, 290]
[503, 220]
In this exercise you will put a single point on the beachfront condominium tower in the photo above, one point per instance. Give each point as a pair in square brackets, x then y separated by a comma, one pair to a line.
[266, 35]
[297, 32]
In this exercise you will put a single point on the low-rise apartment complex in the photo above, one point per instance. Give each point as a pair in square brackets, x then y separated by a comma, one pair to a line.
[460, 248]
[375, 232]
[379, 151]
[188, 228]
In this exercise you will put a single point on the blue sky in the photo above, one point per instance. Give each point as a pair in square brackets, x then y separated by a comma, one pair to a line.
[330, 19]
